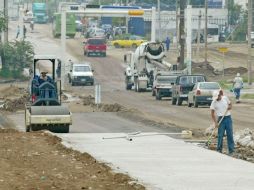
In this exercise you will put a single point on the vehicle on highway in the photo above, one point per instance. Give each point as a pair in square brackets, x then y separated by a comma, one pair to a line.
[184, 84]
[202, 93]
[44, 109]
[162, 85]
[70, 25]
[95, 32]
[81, 74]
[128, 41]
[142, 63]
[95, 46]
[40, 13]
[79, 25]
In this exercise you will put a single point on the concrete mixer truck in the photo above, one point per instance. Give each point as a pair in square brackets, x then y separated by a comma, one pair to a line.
[142, 64]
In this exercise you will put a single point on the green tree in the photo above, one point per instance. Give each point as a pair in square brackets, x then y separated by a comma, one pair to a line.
[3, 22]
[15, 57]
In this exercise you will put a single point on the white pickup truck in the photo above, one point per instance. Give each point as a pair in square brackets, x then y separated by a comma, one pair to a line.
[81, 74]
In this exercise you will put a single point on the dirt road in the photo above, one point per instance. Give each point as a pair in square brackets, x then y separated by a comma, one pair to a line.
[109, 73]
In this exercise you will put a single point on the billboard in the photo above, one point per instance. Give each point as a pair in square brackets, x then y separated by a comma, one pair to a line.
[211, 3]
[215, 3]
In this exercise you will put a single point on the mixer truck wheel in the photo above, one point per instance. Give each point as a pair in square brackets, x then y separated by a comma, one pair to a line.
[173, 101]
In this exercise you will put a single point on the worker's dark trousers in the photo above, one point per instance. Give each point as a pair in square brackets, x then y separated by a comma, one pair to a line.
[226, 125]
[237, 93]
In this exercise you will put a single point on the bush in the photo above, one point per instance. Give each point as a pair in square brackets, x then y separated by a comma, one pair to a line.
[15, 57]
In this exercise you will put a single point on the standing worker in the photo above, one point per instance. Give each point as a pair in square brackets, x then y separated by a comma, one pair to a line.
[32, 25]
[18, 32]
[237, 85]
[24, 31]
[220, 109]
[167, 43]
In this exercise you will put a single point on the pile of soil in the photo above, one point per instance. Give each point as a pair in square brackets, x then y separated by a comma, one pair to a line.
[38, 160]
[89, 101]
[16, 104]
[211, 73]
[12, 91]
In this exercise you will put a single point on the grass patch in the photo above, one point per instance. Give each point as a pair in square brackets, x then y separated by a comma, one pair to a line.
[225, 85]
[247, 96]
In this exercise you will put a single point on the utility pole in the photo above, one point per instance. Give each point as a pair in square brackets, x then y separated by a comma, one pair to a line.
[198, 35]
[249, 66]
[182, 33]
[206, 7]
[177, 23]
[6, 17]
[159, 17]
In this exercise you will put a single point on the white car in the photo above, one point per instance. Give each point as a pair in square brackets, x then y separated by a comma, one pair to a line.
[202, 93]
[81, 74]
[95, 33]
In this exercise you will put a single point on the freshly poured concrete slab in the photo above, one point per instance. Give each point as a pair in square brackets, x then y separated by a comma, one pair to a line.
[161, 162]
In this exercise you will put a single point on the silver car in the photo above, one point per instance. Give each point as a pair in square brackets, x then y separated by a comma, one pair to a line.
[202, 93]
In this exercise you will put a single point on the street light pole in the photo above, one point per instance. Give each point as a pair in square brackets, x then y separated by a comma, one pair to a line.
[159, 17]
[249, 66]
[182, 33]
[6, 16]
[177, 25]
[206, 7]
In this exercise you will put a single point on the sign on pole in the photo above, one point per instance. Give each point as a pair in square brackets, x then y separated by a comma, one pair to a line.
[223, 49]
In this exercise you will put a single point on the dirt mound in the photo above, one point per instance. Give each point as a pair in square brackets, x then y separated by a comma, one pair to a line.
[89, 101]
[12, 91]
[234, 71]
[24, 165]
[13, 105]
[110, 107]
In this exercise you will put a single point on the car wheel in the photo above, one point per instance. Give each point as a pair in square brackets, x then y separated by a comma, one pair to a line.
[84, 52]
[179, 101]
[189, 104]
[72, 83]
[158, 97]
[138, 90]
[88, 54]
[173, 101]
[195, 103]
[134, 46]
[117, 45]
[153, 93]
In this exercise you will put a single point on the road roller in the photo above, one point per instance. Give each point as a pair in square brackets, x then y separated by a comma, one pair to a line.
[44, 110]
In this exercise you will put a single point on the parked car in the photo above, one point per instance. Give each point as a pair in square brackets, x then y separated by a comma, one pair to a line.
[95, 32]
[162, 86]
[79, 25]
[202, 93]
[128, 41]
[184, 84]
[80, 74]
[95, 46]
[222, 37]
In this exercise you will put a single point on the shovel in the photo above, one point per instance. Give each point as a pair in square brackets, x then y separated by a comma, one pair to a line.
[209, 140]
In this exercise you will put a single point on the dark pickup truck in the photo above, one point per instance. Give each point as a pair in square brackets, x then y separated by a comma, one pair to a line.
[183, 85]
